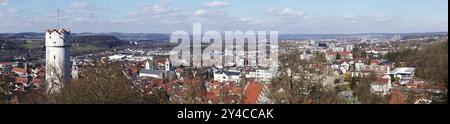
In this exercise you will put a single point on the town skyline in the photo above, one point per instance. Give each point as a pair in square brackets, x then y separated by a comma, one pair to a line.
[285, 16]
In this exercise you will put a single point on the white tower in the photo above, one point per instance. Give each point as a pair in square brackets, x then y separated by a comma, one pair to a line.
[57, 43]
[167, 65]
[147, 65]
[75, 69]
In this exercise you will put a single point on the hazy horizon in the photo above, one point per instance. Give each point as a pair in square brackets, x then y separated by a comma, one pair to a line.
[285, 16]
[168, 33]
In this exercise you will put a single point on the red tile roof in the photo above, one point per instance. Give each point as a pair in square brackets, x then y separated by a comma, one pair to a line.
[343, 53]
[215, 83]
[179, 69]
[374, 61]
[19, 70]
[382, 81]
[21, 79]
[6, 63]
[134, 70]
[253, 92]
[232, 99]
[38, 81]
[236, 90]
[215, 92]
[397, 97]
[213, 97]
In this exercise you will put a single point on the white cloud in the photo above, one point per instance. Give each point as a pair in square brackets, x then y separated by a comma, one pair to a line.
[8, 12]
[249, 20]
[245, 19]
[351, 16]
[216, 4]
[206, 12]
[78, 5]
[84, 12]
[286, 12]
[12, 11]
[154, 9]
[4, 2]
[200, 12]
[82, 19]
[162, 8]
[83, 6]
[365, 19]
[133, 14]
[150, 14]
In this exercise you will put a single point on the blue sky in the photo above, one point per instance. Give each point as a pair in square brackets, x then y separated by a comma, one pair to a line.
[285, 16]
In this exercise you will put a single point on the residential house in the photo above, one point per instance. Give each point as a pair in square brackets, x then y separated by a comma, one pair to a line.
[382, 85]
[331, 55]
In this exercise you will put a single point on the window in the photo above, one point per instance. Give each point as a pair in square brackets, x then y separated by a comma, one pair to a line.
[54, 57]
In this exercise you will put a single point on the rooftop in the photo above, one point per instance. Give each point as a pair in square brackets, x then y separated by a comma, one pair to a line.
[403, 70]
[253, 92]
[228, 72]
[62, 30]
[19, 70]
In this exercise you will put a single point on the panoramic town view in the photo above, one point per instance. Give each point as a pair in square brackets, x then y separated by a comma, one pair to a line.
[223, 52]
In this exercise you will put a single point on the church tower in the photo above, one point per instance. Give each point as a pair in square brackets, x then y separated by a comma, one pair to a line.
[167, 65]
[75, 69]
[148, 66]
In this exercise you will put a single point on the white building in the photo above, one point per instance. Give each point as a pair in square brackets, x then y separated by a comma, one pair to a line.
[349, 47]
[225, 76]
[240, 62]
[305, 56]
[405, 74]
[117, 57]
[338, 49]
[149, 71]
[260, 74]
[57, 42]
[359, 66]
[345, 65]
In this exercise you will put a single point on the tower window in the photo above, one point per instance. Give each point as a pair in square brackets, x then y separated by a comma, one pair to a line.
[54, 57]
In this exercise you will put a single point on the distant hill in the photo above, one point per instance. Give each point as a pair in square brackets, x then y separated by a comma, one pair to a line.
[101, 41]
[155, 37]
[130, 36]
[358, 35]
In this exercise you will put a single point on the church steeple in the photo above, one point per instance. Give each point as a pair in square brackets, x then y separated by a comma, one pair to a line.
[167, 65]
[148, 66]
[75, 69]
